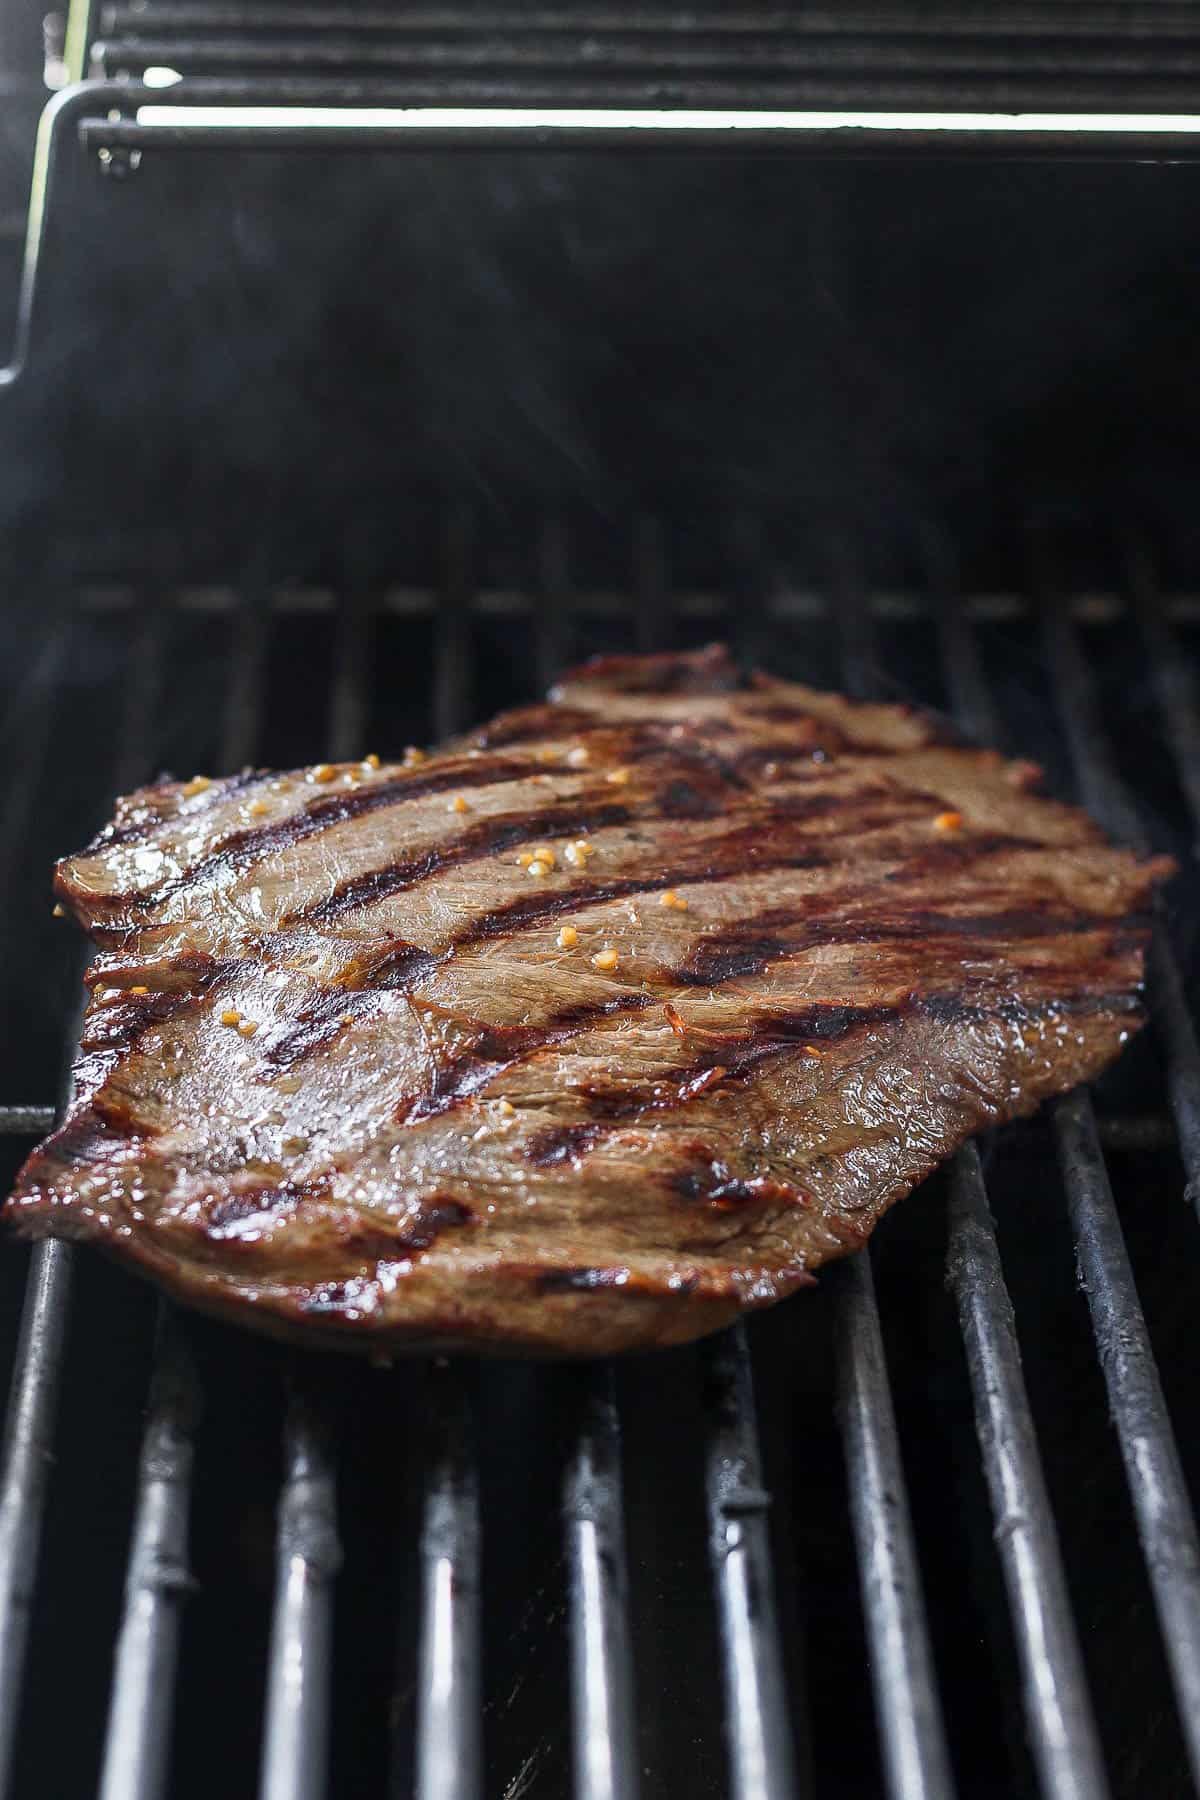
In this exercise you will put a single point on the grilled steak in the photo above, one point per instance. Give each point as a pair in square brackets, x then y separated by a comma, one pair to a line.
[584, 1033]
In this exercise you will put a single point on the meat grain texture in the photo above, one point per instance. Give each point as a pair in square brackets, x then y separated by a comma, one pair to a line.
[583, 1034]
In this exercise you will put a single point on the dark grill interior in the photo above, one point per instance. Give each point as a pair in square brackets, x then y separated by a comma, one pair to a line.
[311, 456]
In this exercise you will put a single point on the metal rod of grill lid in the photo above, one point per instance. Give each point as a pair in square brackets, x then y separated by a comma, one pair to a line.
[757, 1708]
[602, 1717]
[321, 114]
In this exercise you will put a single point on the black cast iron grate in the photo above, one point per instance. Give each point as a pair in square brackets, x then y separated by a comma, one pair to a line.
[460, 1511]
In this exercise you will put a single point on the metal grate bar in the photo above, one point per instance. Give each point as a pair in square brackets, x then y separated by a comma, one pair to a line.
[970, 695]
[1156, 1482]
[1174, 1024]
[449, 1749]
[307, 1550]
[28, 1453]
[1137, 1132]
[247, 669]
[783, 603]
[602, 1715]
[26, 1121]
[1061, 1724]
[348, 704]
[652, 615]
[757, 1703]
[449, 1746]
[34, 740]
[33, 1396]
[157, 1582]
[553, 601]
[851, 613]
[1160, 1499]
[135, 733]
[158, 1578]
[1155, 1478]
[307, 1558]
[1105, 794]
[916, 1761]
[1172, 672]
[452, 660]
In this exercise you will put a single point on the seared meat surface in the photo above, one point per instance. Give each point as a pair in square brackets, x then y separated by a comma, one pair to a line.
[583, 1034]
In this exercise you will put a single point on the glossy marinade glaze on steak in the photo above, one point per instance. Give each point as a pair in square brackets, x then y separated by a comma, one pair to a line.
[584, 1033]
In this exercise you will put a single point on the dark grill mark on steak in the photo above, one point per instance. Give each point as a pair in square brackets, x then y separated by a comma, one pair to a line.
[226, 1213]
[490, 837]
[318, 1022]
[242, 849]
[423, 1227]
[532, 723]
[740, 950]
[579, 1281]
[561, 1144]
[510, 1041]
[136, 829]
[767, 1038]
[121, 1021]
[499, 1048]
[713, 1183]
[320, 1019]
[449, 1086]
[680, 798]
[731, 858]
[399, 968]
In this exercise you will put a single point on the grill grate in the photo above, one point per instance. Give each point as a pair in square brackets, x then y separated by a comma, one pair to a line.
[769, 1739]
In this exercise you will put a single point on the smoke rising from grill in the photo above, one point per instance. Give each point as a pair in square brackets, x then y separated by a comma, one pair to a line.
[258, 356]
